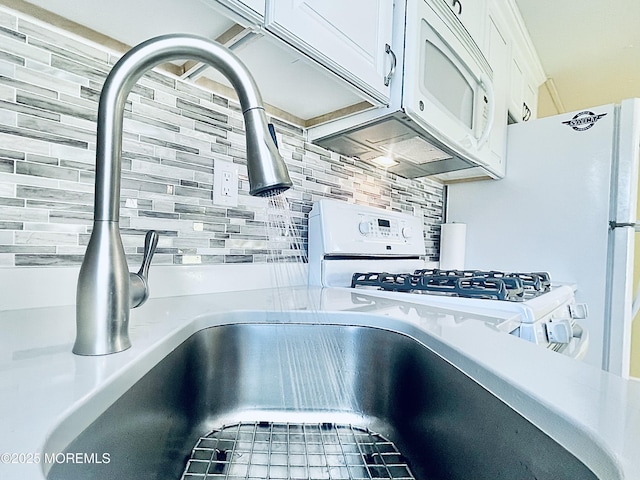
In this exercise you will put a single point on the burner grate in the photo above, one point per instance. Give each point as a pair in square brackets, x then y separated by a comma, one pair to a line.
[268, 450]
[460, 283]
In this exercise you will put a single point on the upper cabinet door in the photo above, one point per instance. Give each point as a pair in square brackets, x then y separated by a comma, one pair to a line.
[350, 38]
[497, 47]
[245, 12]
[257, 5]
[472, 14]
[523, 94]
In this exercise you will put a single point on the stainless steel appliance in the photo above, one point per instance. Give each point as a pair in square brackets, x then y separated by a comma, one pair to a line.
[442, 102]
[353, 246]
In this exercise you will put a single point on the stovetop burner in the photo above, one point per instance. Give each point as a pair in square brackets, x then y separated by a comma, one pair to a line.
[461, 283]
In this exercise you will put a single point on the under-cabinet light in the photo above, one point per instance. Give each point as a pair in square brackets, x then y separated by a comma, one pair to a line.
[384, 162]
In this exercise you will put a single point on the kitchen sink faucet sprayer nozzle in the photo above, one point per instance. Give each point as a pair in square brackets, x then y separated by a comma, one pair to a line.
[106, 290]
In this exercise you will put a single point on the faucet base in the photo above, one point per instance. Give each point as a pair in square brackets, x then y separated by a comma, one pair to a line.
[102, 306]
[79, 349]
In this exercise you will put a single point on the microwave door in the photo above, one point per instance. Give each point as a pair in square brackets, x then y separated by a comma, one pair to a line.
[453, 101]
[471, 101]
[448, 88]
[444, 83]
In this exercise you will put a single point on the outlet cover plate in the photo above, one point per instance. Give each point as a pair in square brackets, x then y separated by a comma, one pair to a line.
[225, 183]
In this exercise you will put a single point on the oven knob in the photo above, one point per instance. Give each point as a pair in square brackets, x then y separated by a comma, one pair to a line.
[578, 311]
[407, 232]
[559, 331]
[365, 228]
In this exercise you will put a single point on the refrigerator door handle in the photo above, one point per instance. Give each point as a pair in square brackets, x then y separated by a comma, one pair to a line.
[613, 225]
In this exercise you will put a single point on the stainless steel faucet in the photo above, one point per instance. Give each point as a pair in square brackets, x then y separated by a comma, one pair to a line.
[106, 290]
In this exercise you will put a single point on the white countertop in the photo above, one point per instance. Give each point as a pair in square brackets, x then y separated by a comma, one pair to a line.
[48, 395]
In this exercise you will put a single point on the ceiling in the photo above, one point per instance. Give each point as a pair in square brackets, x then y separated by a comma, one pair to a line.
[589, 48]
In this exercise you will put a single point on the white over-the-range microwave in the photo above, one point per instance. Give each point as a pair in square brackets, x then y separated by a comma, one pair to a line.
[442, 103]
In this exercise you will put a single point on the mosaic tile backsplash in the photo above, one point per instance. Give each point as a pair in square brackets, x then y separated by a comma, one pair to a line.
[50, 83]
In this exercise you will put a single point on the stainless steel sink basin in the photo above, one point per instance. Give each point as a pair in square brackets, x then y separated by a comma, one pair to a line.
[269, 379]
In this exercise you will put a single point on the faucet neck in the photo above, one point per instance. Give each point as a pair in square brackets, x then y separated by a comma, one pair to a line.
[124, 75]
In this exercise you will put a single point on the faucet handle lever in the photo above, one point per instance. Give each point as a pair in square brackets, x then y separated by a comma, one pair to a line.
[150, 244]
[139, 287]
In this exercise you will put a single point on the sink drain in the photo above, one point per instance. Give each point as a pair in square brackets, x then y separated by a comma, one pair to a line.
[267, 450]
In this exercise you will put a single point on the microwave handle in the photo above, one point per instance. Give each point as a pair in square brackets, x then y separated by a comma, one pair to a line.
[488, 88]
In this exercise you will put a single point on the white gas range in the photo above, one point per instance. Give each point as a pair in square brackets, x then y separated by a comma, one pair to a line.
[381, 253]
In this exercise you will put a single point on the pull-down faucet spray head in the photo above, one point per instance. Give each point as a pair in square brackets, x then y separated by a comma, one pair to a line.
[267, 171]
[106, 289]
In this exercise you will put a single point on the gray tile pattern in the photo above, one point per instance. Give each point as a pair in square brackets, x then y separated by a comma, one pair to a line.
[49, 89]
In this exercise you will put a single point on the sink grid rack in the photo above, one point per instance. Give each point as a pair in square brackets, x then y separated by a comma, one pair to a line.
[311, 451]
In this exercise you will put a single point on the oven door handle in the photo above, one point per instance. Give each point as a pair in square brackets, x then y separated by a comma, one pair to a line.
[487, 85]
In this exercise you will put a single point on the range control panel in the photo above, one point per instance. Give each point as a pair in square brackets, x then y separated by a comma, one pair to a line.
[340, 228]
[383, 228]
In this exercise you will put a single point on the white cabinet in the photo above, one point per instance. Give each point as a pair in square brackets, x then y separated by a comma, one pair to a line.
[523, 93]
[530, 102]
[525, 72]
[255, 5]
[498, 55]
[349, 38]
[516, 87]
[245, 12]
[472, 14]
[313, 60]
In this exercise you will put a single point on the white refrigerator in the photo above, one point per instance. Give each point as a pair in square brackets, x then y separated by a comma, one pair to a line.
[567, 205]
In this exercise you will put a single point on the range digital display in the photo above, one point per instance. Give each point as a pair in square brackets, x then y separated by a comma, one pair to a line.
[384, 223]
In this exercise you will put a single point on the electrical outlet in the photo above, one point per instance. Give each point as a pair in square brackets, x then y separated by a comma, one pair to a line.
[191, 259]
[225, 183]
